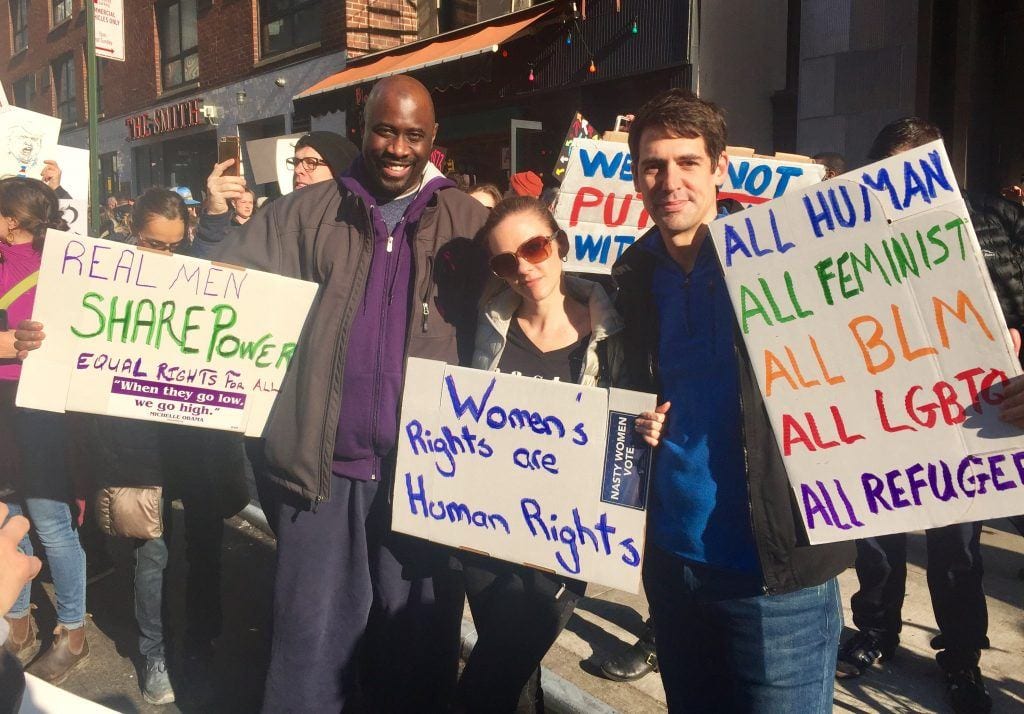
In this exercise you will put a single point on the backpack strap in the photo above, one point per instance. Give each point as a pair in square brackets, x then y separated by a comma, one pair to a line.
[19, 289]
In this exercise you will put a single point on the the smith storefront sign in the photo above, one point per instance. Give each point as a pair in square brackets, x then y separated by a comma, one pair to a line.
[166, 119]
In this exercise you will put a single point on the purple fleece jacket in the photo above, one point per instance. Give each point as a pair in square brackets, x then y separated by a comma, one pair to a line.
[375, 360]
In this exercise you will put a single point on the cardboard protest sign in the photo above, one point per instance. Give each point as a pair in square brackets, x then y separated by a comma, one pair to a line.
[146, 335]
[76, 213]
[267, 160]
[603, 214]
[598, 207]
[29, 138]
[542, 473]
[757, 179]
[880, 349]
[74, 179]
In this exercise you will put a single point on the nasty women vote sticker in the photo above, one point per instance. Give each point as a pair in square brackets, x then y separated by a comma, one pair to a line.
[627, 463]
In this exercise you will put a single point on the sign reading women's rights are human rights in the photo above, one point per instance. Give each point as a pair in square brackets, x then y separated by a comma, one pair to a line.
[880, 349]
[148, 335]
[542, 473]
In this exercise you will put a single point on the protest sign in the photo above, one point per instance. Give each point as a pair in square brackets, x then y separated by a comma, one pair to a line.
[74, 170]
[603, 214]
[757, 179]
[30, 137]
[146, 335]
[880, 349]
[542, 473]
[267, 160]
[597, 206]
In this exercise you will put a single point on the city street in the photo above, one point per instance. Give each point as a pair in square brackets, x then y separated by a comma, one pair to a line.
[605, 622]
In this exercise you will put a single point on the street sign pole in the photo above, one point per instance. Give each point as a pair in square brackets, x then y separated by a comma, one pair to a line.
[93, 117]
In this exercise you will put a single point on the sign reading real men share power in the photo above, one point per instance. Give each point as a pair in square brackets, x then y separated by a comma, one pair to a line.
[146, 335]
[880, 349]
[542, 473]
[601, 212]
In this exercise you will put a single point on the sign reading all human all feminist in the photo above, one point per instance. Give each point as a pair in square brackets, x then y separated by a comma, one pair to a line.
[880, 349]
[541, 473]
[602, 213]
[146, 335]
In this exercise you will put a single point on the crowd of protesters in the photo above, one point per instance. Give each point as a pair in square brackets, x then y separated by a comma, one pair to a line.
[746, 616]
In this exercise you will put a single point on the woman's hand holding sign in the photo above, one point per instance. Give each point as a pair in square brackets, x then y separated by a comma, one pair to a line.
[27, 337]
[650, 424]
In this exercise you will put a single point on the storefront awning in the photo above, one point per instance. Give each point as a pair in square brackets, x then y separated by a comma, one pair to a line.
[482, 38]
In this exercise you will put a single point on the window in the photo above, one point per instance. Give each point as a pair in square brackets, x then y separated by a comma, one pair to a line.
[179, 39]
[64, 86]
[19, 24]
[60, 11]
[287, 24]
[25, 92]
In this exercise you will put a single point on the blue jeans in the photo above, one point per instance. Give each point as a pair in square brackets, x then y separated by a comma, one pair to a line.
[771, 654]
[43, 498]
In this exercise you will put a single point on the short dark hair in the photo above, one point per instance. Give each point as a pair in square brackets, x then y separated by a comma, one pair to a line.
[902, 134]
[524, 204]
[683, 114]
[159, 202]
[833, 162]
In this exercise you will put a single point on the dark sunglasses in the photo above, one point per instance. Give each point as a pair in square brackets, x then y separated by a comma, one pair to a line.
[159, 245]
[310, 163]
[535, 250]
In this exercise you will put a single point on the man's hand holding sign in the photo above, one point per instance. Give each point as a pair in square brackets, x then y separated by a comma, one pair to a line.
[880, 350]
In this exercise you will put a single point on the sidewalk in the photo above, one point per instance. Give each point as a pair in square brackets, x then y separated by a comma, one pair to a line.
[604, 623]
[609, 621]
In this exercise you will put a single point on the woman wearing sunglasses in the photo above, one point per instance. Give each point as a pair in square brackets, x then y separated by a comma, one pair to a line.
[141, 466]
[545, 324]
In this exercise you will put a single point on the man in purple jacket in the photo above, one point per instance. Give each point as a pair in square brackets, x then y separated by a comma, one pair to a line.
[361, 614]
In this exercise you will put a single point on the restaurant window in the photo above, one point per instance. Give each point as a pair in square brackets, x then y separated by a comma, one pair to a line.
[25, 92]
[288, 24]
[179, 40]
[64, 88]
[60, 11]
[19, 24]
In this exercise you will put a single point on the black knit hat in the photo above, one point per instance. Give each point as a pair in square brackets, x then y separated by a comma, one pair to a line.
[335, 149]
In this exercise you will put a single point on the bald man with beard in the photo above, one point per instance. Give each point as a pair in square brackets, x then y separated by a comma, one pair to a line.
[362, 614]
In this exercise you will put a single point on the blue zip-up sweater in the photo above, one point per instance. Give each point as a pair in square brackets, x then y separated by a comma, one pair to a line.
[375, 361]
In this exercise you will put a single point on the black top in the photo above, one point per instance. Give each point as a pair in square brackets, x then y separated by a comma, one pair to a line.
[522, 357]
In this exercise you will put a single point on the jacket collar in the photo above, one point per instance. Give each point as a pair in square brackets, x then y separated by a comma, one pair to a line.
[604, 320]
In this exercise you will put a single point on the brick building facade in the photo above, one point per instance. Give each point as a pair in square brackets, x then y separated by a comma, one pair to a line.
[242, 59]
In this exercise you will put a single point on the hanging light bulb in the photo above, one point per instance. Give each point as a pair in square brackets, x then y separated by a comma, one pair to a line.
[636, 28]
[531, 77]
[504, 52]
[568, 37]
[593, 67]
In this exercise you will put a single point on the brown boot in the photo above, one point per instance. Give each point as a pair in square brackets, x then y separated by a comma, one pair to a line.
[69, 650]
[22, 642]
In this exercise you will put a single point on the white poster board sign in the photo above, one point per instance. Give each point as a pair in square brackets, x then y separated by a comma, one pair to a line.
[146, 335]
[109, 26]
[880, 349]
[267, 159]
[603, 214]
[542, 473]
[752, 180]
[74, 178]
[26, 139]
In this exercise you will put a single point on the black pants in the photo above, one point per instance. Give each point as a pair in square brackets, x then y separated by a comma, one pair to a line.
[364, 619]
[519, 613]
[954, 581]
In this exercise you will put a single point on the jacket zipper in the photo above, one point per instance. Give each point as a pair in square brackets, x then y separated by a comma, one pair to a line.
[426, 291]
[385, 310]
[336, 377]
[746, 469]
